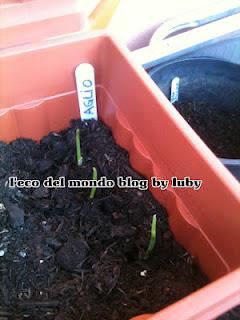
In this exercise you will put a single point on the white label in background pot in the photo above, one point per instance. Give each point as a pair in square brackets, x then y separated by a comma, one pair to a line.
[85, 80]
[175, 90]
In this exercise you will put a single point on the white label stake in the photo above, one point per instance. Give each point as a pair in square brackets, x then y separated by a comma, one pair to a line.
[175, 90]
[85, 80]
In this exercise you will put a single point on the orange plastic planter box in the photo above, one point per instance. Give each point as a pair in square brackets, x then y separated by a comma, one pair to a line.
[27, 21]
[38, 95]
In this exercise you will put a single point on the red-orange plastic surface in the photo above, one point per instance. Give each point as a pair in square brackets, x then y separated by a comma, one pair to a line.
[28, 21]
[38, 95]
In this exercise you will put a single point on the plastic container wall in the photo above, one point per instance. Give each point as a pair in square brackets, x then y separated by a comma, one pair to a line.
[29, 21]
[38, 95]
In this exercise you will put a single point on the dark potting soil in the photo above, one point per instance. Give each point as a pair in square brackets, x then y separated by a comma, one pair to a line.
[233, 314]
[66, 257]
[218, 127]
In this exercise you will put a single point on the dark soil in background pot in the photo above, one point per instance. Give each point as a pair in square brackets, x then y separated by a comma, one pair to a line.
[233, 314]
[65, 257]
[209, 99]
[218, 127]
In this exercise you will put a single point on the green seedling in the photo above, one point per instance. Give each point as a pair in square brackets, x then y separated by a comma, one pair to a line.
[78, 148]
[153, 238]
[94, 177]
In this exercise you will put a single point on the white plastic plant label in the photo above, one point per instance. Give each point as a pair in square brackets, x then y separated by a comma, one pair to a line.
[85, 81]
[175, 90]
